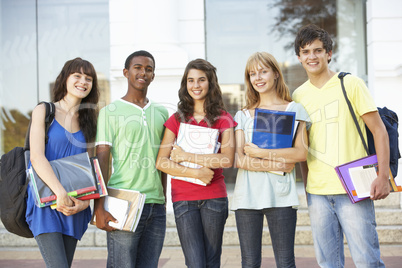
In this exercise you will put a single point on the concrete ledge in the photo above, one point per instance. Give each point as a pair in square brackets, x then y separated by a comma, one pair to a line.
[388, 235]
[389, 227]
[384, 216]
[388, 217]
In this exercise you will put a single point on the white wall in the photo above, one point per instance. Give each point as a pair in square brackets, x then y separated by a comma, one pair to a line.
[384, 53]
[171, 30]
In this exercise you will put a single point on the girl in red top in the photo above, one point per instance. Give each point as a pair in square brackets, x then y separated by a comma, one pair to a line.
[200, 211]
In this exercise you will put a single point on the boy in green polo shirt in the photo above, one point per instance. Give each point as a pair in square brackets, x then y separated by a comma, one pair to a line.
[131, 130]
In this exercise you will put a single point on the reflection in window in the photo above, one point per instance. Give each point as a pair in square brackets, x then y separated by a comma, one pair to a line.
[37, 37]
[235, 29]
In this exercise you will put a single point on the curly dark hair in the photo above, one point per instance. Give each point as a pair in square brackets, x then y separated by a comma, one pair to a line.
[213, 105]
[88, 110]
[308, 34]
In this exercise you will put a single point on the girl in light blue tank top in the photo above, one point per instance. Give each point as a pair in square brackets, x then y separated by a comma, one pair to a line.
[75, 95]
[260, 190]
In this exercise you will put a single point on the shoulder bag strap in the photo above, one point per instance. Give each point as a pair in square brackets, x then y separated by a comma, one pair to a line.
[341, 76]
[50, 113]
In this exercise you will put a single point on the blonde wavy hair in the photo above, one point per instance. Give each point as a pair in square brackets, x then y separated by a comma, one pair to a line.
[267, 60]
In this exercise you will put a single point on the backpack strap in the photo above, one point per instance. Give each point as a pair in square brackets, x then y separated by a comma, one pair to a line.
[341, 76]
[50, 113]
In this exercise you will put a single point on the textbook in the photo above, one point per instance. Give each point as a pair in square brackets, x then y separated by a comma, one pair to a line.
[135, 202]
[100, 191]
[274, 130]
[119, 209]
[357, 176]
[198, 140]
[74, 172]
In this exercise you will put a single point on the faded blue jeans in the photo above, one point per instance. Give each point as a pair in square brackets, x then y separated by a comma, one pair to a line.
[57, 249]
[331, 216]
[200, 226]
[282, 228]
[143, 247]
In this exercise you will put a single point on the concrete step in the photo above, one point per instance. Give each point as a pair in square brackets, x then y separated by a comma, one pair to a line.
[388, 235]
[384, 216]
[393, 201]
[388, 217]
[389, 227]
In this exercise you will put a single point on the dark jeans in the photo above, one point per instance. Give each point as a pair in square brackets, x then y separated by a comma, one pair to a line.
[282, 228]
[200, 227]
[143, 247]
[57, 249]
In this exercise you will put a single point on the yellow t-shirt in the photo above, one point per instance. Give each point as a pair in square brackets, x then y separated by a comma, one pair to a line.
[333, 138]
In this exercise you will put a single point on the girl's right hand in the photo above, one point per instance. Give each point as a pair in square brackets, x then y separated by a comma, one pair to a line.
[64, 200]
[205, 174]
[288, 167]
[78, 206]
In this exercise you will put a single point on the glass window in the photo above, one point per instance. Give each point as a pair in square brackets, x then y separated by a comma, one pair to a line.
[235, 29]
[37, 37]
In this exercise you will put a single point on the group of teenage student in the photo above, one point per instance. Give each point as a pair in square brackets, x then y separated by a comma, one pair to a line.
[139, 136]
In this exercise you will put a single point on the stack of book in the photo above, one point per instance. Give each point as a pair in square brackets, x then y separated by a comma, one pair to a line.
[125, 206]
[198, 140]
[79, 175]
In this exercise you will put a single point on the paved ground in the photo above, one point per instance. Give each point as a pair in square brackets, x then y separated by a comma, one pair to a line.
[172, 257]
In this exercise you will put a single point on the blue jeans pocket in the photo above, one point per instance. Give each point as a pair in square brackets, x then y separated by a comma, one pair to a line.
[180, 208]
[217, 204]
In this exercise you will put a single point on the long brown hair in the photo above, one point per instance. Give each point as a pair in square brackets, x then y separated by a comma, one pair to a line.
[267, 60]
[88, 110]
[213, 105]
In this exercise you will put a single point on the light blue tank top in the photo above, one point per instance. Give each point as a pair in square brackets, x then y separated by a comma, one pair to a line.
[61, 144]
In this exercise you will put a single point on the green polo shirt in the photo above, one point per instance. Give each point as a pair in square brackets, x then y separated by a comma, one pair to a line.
[134, 134]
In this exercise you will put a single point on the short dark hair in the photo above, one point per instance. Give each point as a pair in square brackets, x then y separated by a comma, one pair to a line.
[308, 34]
[138, 54]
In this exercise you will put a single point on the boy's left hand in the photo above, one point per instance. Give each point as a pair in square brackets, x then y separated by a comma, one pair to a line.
[379, 188]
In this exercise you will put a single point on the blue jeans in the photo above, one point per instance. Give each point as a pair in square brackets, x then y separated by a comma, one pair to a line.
[200, 227]
[331, 216]
[282, 228]
[57, 249]
[143, 247]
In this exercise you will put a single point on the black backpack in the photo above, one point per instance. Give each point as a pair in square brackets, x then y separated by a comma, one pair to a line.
[14, 183]
[390, 120]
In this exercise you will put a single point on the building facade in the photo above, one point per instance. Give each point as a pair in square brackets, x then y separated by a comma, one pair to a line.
[38, 36]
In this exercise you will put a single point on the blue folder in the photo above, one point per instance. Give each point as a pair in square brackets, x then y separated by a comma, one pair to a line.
[273, 129]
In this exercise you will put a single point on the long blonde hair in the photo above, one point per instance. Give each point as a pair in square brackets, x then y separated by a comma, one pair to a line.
[267, 60]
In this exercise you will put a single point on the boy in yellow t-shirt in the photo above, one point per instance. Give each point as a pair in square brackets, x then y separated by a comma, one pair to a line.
[334, 140]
